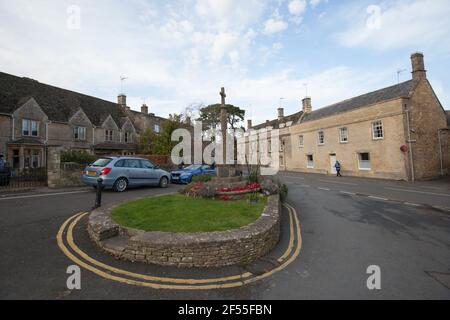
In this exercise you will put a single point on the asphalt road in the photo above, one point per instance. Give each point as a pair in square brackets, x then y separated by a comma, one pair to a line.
[347, 225]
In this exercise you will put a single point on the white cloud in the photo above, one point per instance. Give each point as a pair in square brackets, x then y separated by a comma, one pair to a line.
[272, 26]
[297, 7]
[398, 24]
[315, 3]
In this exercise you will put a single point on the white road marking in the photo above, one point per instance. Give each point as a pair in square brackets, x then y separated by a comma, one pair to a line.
[324, 189]
[350, 193]
[413, 204]
[422, 192]
[338, 182]
[42, 195]
[378, 198]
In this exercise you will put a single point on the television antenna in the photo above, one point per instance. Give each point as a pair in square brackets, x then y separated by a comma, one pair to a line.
[399, 71]
[122, 80]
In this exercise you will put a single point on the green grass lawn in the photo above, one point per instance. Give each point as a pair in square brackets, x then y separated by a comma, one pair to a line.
[178, 213]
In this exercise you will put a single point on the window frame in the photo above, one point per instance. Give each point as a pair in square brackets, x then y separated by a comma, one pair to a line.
[77, 133]
[373, 130]
[369, 161]
[157, 128]
[319, 134]
[26, 127]
[346, 135]
[109, 135]
[301, 140]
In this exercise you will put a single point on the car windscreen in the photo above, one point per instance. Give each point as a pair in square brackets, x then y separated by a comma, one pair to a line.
[102, 162]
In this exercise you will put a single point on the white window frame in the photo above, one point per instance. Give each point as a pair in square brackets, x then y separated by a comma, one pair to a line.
[308, 165]
[157, 128]
[374, 124]
[320, 134]
[109, 135]
[128, 137]
[301, 141]
[341, 130]
[79, 133]
[364, 168]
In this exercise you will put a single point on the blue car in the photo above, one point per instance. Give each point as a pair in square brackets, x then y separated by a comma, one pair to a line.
[185, 175]
[119, 173]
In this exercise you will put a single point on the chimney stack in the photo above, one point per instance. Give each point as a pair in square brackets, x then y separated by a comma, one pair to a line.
[418, 66]
[307, 108]
[280, 114]
[144, 109]
[188, 120]
[122, 100]
[249, 124]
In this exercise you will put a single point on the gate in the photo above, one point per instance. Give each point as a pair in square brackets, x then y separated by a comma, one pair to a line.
[17, 179]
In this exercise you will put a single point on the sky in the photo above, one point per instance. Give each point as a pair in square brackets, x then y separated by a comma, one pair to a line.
[267, 54]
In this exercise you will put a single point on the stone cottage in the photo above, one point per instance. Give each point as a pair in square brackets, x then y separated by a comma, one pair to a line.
[34, 116]
[399, 132]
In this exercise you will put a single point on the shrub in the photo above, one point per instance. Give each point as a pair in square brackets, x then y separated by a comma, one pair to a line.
[284, 190]
[199, 190]
[254, 176]
[77, 156]
[202, 178]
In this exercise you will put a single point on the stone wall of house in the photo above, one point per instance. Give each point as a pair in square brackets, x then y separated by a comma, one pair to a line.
[387, 160]
[5, 134]
[427, 117]
[214, 249]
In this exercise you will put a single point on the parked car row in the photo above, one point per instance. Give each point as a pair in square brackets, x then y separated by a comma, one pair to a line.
[121, 173]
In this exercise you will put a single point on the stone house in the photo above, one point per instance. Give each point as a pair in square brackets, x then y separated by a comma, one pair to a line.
[34, 116]
[400, 132]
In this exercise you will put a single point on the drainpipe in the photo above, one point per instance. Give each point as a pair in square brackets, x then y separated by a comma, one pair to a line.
[440, 151]
[13, 136]
[411, 161]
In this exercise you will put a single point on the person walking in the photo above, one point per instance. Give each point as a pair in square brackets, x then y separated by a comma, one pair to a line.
[337, 165]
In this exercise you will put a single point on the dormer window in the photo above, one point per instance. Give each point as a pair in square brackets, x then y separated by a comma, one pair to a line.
[30, 128]
[108, 135]
[79, 133]
[128, 137]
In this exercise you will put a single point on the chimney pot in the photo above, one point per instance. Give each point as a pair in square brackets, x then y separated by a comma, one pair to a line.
[144, 109]
[280, 114]
[307, 108]
[418, 66]
[249, 124]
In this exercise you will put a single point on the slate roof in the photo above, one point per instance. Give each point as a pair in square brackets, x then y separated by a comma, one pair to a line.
[393, 92]
[58, 104]
[397, 91]
[275, 123]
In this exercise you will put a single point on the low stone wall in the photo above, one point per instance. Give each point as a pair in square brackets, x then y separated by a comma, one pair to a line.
[214, 249]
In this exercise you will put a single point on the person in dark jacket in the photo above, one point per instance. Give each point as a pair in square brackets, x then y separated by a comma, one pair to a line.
[337, 165]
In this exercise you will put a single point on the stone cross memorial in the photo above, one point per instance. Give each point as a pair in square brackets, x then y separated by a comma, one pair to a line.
[224, 170]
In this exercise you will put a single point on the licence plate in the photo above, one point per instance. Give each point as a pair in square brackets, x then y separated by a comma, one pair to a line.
[92, 173]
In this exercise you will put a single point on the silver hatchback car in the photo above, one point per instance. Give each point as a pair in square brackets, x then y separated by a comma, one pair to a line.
[119, 173]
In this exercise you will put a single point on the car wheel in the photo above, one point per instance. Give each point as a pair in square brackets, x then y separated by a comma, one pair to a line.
[164, 182]
[121, 185]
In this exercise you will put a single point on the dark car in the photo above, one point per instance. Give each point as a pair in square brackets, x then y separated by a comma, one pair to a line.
[185, 175]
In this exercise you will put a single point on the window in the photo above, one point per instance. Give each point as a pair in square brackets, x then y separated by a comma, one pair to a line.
[108, 135]
[309, 161]
[79, 133]
[364, 161]
[25, 127]
[147, 164]
[132, 163]
[128, 137]
[157, 128]
[343, 135]
[321, 137]
[377, 130]
[30, 128]
[300, 141]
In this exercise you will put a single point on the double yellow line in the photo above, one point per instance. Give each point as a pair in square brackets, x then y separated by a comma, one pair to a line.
[115, 274]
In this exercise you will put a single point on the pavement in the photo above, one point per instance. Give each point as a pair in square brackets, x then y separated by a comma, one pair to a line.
[347, 225]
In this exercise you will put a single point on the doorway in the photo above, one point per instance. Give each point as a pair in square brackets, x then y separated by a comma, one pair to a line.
[332, 163]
